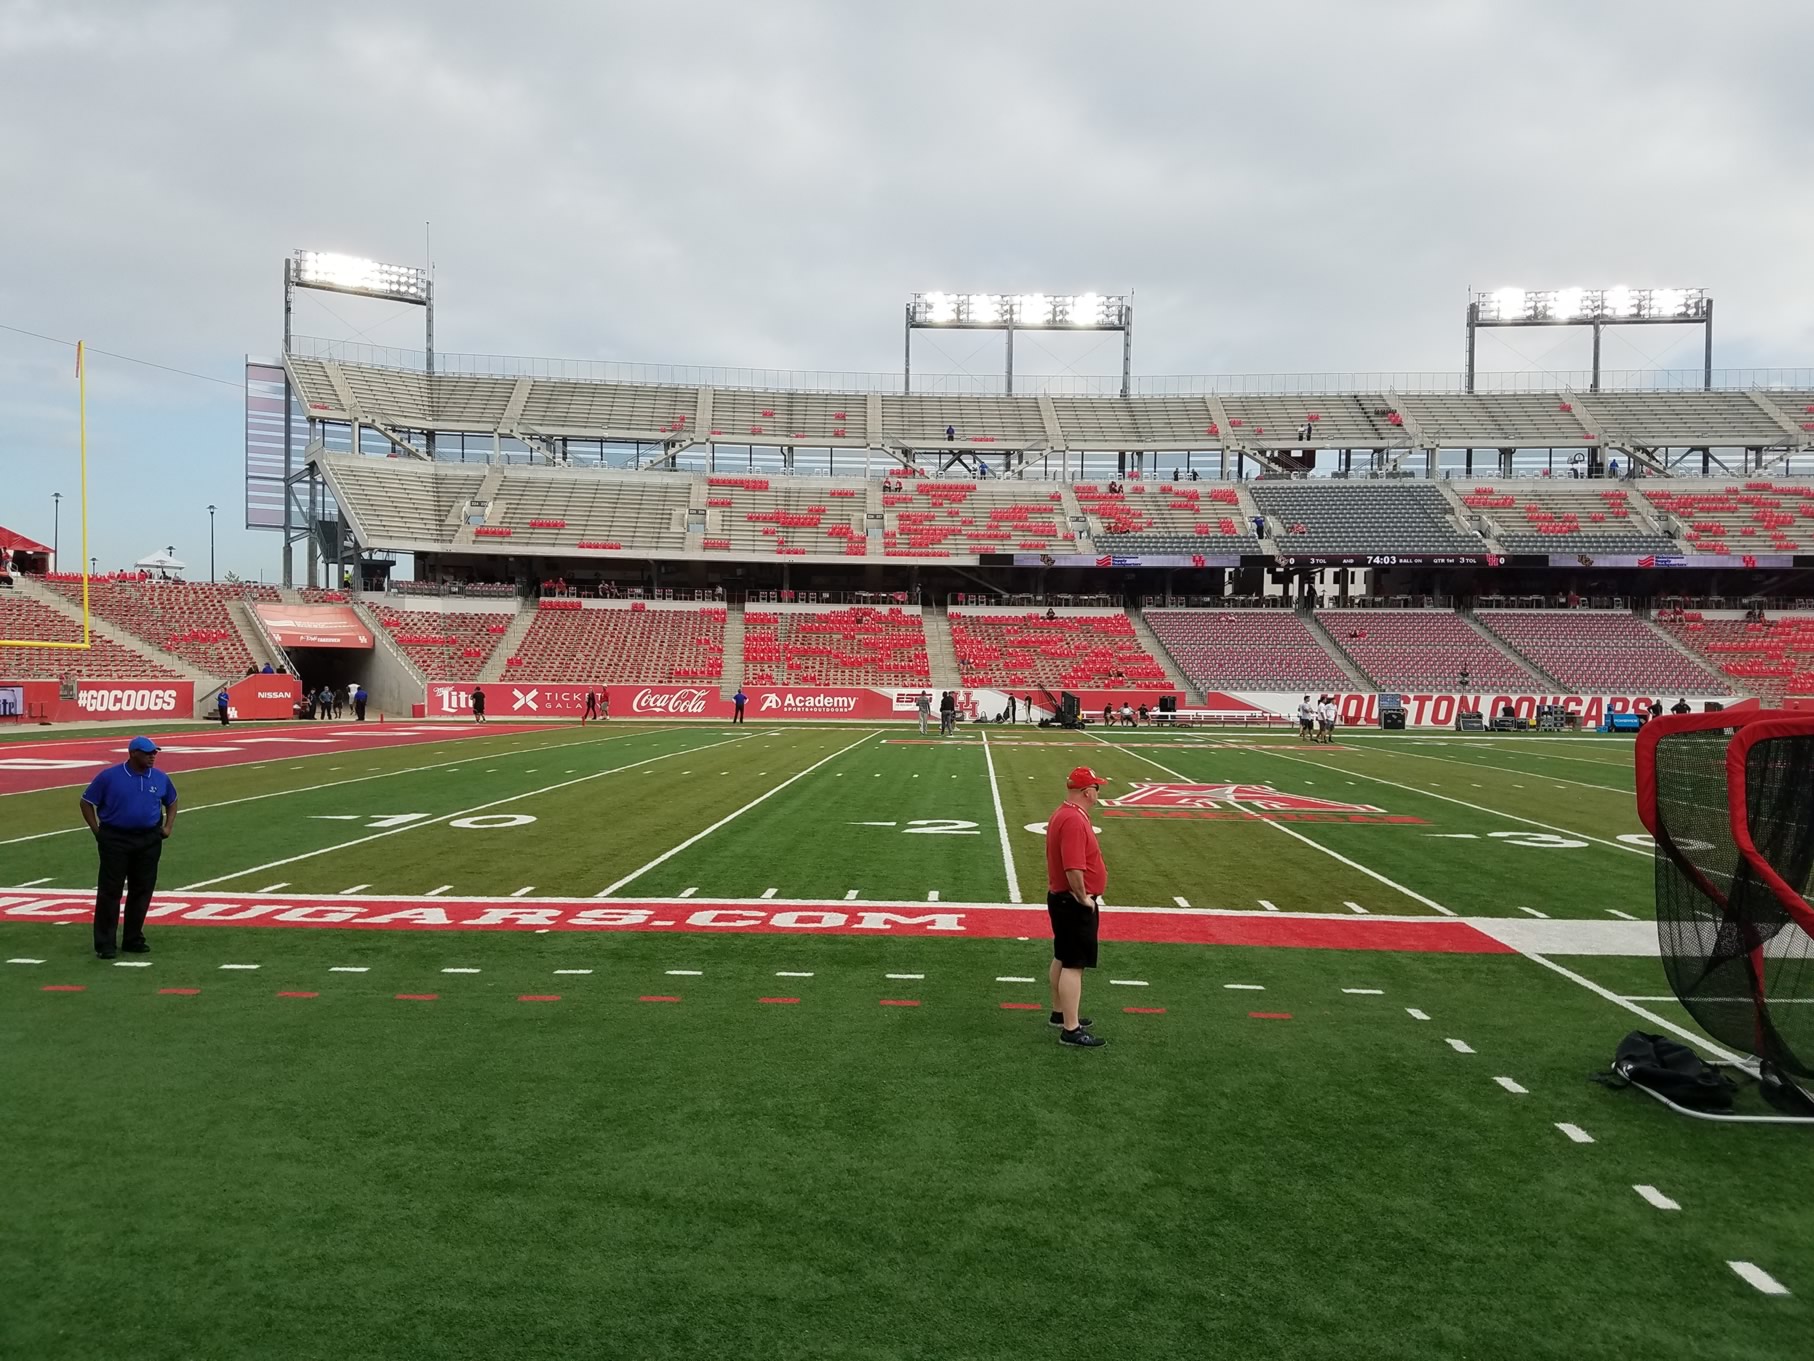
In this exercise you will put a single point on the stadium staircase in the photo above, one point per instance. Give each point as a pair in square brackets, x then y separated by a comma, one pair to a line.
[205, 684]
[1501, 645]
[493, 670]
[733, 650]
[941, 656]
[1355, 675]
[487, 495]
[1150, 641]
[1476, 520]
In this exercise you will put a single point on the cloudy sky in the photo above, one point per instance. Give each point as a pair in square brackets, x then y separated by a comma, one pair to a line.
[1285, 187]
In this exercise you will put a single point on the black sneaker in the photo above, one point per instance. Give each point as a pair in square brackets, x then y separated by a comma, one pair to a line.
[1082, 1038]
[136, 947]
[1057, 1019]
[108, 953]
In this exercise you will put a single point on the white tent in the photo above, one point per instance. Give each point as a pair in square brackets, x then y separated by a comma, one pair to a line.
[160, 561]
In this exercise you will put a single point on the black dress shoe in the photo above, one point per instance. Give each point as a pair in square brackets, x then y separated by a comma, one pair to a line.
[105, 954]
[136, 947]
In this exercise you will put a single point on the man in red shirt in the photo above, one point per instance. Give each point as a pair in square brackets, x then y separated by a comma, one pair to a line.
[1075, 879]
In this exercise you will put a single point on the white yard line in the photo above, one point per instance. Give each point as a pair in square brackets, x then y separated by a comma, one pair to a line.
[697, 837]
[1375, 875]
[1575, 1133]
[444, 817]
[1680, 1032]
[1365, 992]
[1656, 1198]
[1245, 987]
[1477, 807]
[1416, 1015]
[1460, 1046]
[1514, 1088]
[190, 809]
[1001, 826]
[1505, 770]
[1752, 1274]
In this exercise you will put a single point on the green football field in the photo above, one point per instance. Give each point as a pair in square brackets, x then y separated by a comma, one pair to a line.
[699, 1041]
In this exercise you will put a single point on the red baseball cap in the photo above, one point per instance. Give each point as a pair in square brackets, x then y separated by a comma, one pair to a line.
[1083, 776]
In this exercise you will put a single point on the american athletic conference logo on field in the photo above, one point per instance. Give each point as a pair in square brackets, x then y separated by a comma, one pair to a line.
[1240, 802]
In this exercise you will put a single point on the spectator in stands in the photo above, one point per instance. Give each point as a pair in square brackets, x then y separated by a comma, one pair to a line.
[1195, 476]
[739, 699]
[267, 671]
[950, 434]
[1612, 468]
[478, 704]
[360, 700]
[1259, 526]
[1464, 678]
[1051, 614]
[1679, 707]
[923, 702]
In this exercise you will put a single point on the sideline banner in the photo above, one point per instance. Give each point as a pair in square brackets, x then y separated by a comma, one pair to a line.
[264, 697]
[104, 699]
[314, 625]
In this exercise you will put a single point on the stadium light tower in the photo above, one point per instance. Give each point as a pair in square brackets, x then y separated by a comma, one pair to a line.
[1011, 312]
[1595, 307]
[330, 273]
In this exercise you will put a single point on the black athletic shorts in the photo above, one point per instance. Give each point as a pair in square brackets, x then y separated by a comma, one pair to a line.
[1073, 931]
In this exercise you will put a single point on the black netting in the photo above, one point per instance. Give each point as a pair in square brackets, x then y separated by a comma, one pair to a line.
[1733, 955]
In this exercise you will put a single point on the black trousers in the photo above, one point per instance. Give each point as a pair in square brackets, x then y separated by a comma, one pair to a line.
[128, 861]
[738, 716]
[359, 709]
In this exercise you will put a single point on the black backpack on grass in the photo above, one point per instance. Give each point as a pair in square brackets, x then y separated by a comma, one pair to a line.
[1670, 1070]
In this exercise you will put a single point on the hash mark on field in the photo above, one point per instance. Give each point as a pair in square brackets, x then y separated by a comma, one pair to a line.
[179, 992]
[898, 977]
[239, 966]
[685, 892]
[132, 964]
[1365, 992]
[459, 971]
[417, 997]
[435, 892]
[1575, 1133]
[1020, 1006]
[1269, 1015]
[24, 961]
[896, 1002]
[349, 968]
[272, 888]
[1416, 1015]
[573, 971]
[658, 999]
[1181, 902]
[1512, 1086]
[538, 997]
[1144, 1011]
[932, 897]
[524, 891]
[1006, 978]
[1622, 916]
[356, 888]
[1656, 1197]
[686, 973]
[1355, 907]
[1753, 1274]
[1128, 982]
[299, 994]
[1535, 913]
[1270, 907]
[33, 883]
[779, 1001]
[1245, 987]
[768, 893]
[851, 894]
[1460, 1046]
[786, 973]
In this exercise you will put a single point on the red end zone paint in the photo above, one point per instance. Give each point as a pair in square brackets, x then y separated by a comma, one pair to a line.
[179, 992]
[658, 999]
[1144, 1011]
[299, 994]
[64, 987]
[1021, 1006]
[764, 917]
[1269, 1015]
[28, 766]
[779, 1001]
[538, 997]
[418, 997]
[896, 1002]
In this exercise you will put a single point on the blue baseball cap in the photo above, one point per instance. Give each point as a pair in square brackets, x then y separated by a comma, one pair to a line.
[144, 744]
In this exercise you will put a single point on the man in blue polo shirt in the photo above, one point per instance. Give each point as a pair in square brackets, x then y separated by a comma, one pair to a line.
[131, 809]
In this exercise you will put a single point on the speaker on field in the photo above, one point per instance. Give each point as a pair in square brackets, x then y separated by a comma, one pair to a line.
[1068, 708]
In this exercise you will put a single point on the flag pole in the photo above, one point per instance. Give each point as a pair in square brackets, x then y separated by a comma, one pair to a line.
[82, 427]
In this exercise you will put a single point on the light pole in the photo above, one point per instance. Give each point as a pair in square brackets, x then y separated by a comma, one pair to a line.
[56, 526]
[210, 543]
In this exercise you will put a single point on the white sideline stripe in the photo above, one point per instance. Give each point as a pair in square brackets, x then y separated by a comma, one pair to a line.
[459, 971]
[272, 888]
[1365, 992]
[1504, 770]
[1460, 1046]
[39, 961]
[1246, 987]
[1001, 826]
[1478, 808]
[524, 891]
[239, 966]
[1128, 982]
[900, 977]
[1752, 1274]
[1622, 916]
[697, 837]
[1003, 979]
[348, 968]
[444, 817]
[1656, 1197]
[356, 888]
[33, 883]
[786, 973]
[1680, 1032]
[1181, 902]
[1512, 1086]
[687, 973]
[331, 784]
[436, 892]
[1575, 1133]
[1544, 916]
[575, 971]
[1314, 845]
[1416, 1015]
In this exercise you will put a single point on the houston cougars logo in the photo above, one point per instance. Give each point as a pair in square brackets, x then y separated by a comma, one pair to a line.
[1243, 798]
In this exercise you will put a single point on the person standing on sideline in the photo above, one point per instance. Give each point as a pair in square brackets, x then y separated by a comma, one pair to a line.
[1325, 719]
[604, 701]
[1075, 879]
[1306, 716]
[947, 713]
[352, 697]
[478, 705]
[591, 708]
[923, 702]
[739, 699]
[1011, 702]
[131, 810]
[222, 704]
[1028, 707]
[360, 700]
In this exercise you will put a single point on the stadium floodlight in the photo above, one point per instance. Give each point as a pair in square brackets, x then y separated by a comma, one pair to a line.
[351, 274]
[1620, 305]
[1011, 312]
